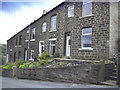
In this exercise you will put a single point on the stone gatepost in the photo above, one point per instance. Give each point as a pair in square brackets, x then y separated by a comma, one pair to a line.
[14, 71]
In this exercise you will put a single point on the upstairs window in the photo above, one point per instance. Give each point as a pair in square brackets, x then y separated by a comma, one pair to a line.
[20, 39]
[87, 8]
[53, 23]
[16, 41]
[27, 35]
[87, 38]
[71, 11]
[19, 55]
[11, 44]
[33, 34]
[44, 27]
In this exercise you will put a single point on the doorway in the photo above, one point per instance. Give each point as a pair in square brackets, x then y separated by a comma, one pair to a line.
[68, 44]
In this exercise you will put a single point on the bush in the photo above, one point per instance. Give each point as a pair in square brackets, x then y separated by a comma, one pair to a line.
[31, 66]
[8, 65]
[24, 65]
[5, 67]
[108, 61]
[36, 64]
[19, 62]
[44, 56]
[43, 62]
[56, 55]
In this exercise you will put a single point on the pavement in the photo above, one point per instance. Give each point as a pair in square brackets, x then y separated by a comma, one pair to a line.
[22, 83]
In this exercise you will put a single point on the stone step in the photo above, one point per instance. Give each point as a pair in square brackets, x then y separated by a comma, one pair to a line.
[109, 82]
[113, 77]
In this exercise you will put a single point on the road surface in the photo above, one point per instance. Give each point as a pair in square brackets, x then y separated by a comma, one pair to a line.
[21, 83]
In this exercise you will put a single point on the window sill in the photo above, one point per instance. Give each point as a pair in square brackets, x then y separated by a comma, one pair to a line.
[70, 16]
[53, 31]
[11, 50]
[87, 16]
[31, 59]
[85, 49]
[43, 31]
[18, 46]
[32, 40]
[26, 40]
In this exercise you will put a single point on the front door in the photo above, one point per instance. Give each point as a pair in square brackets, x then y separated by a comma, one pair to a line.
[25, 55]
[41, 47]
[14, 56]
[68, 44]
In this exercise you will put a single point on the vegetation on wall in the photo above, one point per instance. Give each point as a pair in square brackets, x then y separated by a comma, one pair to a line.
[2, 53]
[41, 60]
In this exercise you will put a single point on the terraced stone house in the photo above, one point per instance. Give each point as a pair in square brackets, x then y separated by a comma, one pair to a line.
[84, 30]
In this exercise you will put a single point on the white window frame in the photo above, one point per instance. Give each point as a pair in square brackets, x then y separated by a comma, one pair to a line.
[32, 55]
[84, 9]
[53, 23]
[33, 33]
[27, 35]
[41, 46]
[51, 45]
[44, 27]
[82, 44]
[71, 11]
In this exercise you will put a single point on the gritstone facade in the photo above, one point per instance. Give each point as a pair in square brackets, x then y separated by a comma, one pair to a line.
[86, 30]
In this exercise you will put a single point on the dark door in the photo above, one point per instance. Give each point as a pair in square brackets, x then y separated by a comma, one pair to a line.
[14, 56]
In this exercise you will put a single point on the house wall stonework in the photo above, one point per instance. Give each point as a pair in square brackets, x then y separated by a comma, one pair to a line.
[113, 28]
[99, 21]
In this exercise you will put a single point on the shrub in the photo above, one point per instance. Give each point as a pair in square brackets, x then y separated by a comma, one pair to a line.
[8, 65]
[19, 62]
[36, 64]
[5, 67]
[108, 61]
[56, 55]
[31, 66]
[24, 65]
[44, 56]
[43, 62]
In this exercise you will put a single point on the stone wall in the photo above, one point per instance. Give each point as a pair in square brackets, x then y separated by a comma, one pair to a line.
[74, 74]
[7, 73]
[83, 72]
[91, 73]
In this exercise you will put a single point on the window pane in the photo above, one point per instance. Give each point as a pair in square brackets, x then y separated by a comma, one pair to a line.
[87, 40]
[53, 23]
[71, 11]
[87, 30]
[87, 1]
[87, 8]
[86, 37]
[44, 27]
[52, 47]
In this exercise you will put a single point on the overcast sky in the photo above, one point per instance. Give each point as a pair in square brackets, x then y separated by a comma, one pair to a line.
[14, 16]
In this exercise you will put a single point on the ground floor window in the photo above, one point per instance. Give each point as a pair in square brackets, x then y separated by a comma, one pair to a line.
[52, 43]
[86, 38]
[19, 55]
